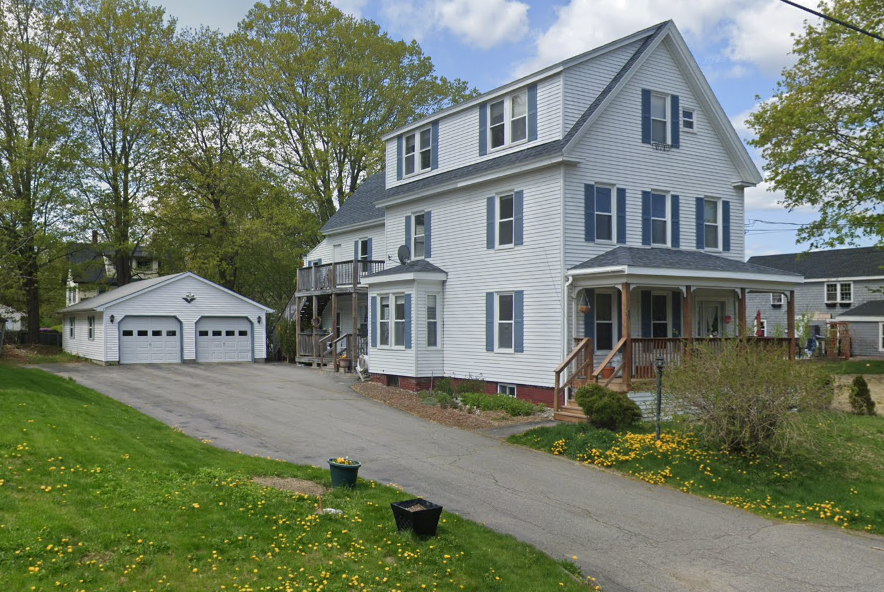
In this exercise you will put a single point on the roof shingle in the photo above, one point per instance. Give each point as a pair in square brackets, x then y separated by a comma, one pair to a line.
[840, 263]
[675, 259]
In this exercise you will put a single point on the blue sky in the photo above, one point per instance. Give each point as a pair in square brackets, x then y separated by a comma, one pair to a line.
[741, 46]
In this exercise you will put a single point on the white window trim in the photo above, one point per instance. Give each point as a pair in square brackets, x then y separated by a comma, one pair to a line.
[498, 220]
[507, 121]
[838, 299]
[613, 214]
[72, 328]
[881, 337]
[693, 119]
[763, 327]
[497, 321]
[505, 387]
[667, 113]
[414, 216]
[668, 198]
[391, 322]
[719, 224]
[417, 151]
[90, 328]
[437, 320]
[382, 320]
[363, 241]
[782, 299]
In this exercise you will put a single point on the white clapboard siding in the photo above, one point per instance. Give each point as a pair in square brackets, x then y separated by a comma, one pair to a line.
[584, 81]
[459, 248]
[397, 361]
[81, 345]
[167, 300]
[459, 133]
[325, 249]
[612, 153]
[430, 360]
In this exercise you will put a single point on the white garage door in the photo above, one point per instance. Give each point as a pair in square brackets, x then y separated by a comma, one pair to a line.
[150, 340]
[223, 340]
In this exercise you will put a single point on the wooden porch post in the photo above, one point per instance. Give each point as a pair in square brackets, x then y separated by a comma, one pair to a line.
[334, 330]
[315, 315]
[687, 330]
[741, 313]
[627, 332]
[790, 324]
[298, 302]
[351, 346]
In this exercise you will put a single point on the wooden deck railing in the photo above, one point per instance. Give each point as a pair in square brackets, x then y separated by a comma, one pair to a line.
[578, 365]
[645, 350]
[343, 274]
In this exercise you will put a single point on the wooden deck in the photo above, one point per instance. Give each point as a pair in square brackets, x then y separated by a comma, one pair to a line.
[340, 277]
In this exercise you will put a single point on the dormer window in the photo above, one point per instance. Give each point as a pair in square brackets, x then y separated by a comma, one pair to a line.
[508, 120]
[418, 151]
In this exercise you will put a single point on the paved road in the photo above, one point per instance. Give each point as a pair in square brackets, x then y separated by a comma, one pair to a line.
[631, 535]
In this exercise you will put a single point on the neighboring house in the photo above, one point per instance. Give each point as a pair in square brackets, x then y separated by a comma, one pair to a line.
[840, 285]
[91, 269]
[168, 319]
[610, 183]
[12, 317]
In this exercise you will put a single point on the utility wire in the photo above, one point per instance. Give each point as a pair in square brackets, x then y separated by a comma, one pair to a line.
[832, 19]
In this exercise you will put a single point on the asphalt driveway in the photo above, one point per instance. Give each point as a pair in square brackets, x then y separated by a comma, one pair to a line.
[631, 535]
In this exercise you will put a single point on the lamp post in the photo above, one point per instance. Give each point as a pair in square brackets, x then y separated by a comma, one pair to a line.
[661, 364]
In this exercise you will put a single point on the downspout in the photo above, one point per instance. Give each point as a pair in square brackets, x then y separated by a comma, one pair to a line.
[565, 350]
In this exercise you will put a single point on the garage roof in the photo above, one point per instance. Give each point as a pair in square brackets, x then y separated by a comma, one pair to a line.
[102, 301]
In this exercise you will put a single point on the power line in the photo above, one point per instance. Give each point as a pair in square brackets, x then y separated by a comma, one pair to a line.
[833, 19]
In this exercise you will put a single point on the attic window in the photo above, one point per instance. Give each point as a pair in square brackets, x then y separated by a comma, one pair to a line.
[687, 120]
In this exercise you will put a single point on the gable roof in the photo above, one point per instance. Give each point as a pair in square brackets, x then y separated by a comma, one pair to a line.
[676, 259]
[872, 308]
[102, 301]
[360, 207]
[834, 263]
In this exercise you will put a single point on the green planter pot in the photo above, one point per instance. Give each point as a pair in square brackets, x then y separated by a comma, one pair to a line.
[343, 475]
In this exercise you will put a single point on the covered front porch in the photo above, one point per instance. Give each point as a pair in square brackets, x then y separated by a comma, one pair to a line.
[630, 306]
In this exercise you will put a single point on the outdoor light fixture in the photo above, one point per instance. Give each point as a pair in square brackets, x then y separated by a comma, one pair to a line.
[259, 320]
[661, 364]
[112, 319]
[189, 297]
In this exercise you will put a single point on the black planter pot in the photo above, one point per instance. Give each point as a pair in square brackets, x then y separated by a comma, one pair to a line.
[418, 515]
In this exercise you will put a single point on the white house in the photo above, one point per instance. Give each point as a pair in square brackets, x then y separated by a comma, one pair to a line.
[168, 319]
[592, 211]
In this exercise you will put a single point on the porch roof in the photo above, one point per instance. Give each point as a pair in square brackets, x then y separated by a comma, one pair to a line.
[673, 262]
[872, 310]
[419, 269]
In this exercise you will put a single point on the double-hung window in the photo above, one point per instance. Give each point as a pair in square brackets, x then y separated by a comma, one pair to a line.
[72, 323]
[418, 151]
[505, 220]
[399, 320]
[419, 237]
[839, 293]
[384, 321]
[687, 120]
[659, 222]
[505, 322]
[659, 119]
[90, 324]
[508, 120]
[711, 223]
[432, 321]
[604, 214]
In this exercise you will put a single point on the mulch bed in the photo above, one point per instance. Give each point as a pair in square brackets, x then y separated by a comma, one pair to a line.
[301, 486]
[412, 403]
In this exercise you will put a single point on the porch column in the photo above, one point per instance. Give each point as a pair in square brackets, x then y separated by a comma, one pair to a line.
[334, 330]
[312, 325]
[790, 324]
[741, 313]
[687, 330]
[298, 302]
[351, 346]
[627, 332]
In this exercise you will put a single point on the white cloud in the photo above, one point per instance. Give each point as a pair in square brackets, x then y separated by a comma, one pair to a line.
[763, 198]
[749, 32]
[353, 7]
[483, 23]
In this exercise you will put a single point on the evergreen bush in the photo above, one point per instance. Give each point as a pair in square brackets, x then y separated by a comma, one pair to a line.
[861, 397]
[606, 409]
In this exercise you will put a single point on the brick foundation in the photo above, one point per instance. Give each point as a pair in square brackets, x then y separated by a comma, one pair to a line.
[535, 394]
[414, 385]
[381, 379]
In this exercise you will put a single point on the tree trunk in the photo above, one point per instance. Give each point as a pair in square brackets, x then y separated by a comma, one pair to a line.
[32, 295]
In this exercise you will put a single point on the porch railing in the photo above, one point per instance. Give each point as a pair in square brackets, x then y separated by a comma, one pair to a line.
[342, 274]
[577, 366]
[645, 350]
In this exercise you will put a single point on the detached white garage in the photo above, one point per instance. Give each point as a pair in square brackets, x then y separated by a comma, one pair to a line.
[167, 320]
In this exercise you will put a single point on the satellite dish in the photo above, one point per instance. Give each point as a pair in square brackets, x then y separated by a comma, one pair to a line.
[404, 254]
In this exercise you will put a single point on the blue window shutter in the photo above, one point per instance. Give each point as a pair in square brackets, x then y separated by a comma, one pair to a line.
[518, 217]
[647, 329]
[370, 254]
[355, 250]
[646, 116]
[489, 223]
[589, 318]
[646, 217]
[532, 112]
[434, 146]
[701, 229]
[408, 321]
[318, 262]
[675, 116]
[519, 321]
[374, 321]
[621, 215]
[428, 234]
[589, 213]
[726, 224]
[489, 321]
[408, 236]
[676, 314]
[399, 158]
[483, 129]
[676, 222]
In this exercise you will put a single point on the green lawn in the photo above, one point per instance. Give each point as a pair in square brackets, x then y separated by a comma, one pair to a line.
[96, 496]
[836, 475]
[856, 366]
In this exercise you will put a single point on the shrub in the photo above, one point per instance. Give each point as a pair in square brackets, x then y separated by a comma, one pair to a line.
[445, 400]
[443, 385]
[861, 397]
[513, 407]
[468, 386]
[742, 394]
[606, 409]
